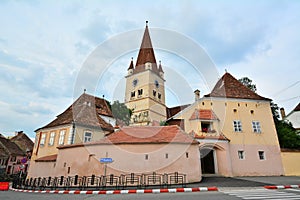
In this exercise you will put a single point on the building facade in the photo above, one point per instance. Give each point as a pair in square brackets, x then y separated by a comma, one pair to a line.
[236, 131]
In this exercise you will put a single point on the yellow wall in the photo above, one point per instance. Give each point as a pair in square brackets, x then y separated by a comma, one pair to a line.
[291, 164]
[223, 108]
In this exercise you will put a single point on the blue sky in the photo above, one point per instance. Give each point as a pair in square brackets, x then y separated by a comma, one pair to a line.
[44, 45]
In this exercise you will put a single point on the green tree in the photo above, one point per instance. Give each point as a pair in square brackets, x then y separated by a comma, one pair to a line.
[248, 83]
[121, 112]
[287, 135]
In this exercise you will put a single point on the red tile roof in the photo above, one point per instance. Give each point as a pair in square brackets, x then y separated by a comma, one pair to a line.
[23, 141]
[50, 158]
[204, 114]
[84, 111]
[217, 137]
[9, 148]
[144, 135]
[230, 87]
[297, 108]
[146, 54]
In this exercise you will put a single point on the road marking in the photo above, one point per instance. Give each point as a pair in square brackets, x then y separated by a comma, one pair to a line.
[263, 194]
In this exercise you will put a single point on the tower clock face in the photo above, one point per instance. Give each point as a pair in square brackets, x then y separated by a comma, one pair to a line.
[156, 84]
[135, 82]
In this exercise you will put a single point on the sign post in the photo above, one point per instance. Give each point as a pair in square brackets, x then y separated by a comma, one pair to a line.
[106, 161]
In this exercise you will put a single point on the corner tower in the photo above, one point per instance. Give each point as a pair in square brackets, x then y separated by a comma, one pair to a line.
[145, 88]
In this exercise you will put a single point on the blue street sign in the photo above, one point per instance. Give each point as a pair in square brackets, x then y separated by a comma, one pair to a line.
[106, 160]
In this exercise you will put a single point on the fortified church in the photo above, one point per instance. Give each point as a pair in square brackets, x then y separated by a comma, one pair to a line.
[228, 132]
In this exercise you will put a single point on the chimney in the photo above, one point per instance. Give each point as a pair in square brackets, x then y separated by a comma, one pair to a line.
[197, 94]
[282, 112]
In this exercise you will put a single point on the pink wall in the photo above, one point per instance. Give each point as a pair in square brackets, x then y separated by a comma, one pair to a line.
[252, 165]
[128, 158]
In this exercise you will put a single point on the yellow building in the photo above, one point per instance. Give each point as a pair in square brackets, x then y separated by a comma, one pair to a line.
[145, 90]
[88, 119]
[236, 131]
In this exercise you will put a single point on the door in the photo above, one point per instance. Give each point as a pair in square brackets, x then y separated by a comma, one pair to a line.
[207, 161]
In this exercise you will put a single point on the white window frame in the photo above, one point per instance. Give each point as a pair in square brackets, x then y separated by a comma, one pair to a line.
[237, 126]
[51, 138]
[263, 154]
[61, 139]
[87, 138]
[256, 127]
[241, 154]
[43, 139]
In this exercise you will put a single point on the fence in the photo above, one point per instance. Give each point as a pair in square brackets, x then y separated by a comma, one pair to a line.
[101, 182]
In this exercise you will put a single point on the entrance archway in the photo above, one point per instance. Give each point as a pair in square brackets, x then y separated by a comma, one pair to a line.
[207, 156]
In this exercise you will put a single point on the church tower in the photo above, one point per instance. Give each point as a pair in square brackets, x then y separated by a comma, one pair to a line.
[145, 89]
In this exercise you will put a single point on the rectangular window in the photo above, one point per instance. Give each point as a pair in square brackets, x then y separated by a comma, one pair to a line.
[61, 137]
[13, 159]
[140, 92]
[159, 95]
[256, 127]
[167, 156]
[241, 155]
[237, 126]
[154, 93]
[146, 157]
[133, 94]
[43, 139]
[87, 137]
[51, 139]
[261, 155]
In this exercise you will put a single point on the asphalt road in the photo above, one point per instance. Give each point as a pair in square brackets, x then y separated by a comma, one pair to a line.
[227, 194]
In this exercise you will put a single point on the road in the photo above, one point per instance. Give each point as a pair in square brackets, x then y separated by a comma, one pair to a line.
[224, 194]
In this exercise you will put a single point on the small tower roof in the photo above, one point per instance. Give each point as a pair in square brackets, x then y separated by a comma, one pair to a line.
[160, 67]
[146, 53]
[131, 66]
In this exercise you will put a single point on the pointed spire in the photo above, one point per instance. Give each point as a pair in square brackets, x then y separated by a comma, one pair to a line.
[160, 67]
[131, 66]
[146, 53]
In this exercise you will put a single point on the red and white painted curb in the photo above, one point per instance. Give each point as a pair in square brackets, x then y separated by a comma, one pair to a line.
[142, 191]
[281, 186]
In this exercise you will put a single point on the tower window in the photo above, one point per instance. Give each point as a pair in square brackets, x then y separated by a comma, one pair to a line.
[261, 155]
[241, 155]
[159, 95]
[154, 93]
[256, 127]
[133, 94]
[140, 92]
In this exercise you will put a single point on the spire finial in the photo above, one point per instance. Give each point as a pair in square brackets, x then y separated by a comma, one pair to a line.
[225, 70]
[131, 58]
[160, 62]
[84, 90]
[147, 23]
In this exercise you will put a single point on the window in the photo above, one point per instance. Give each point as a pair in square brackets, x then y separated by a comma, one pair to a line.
[13, 159]
[256, 127]
[146, 157]
[51, 139]
[61, 137]
[261, 155]
[154, 93]
[43, 138]
[241, 155]
[167, 156]
[237, 125]
[159, 95]
[140, 92]
[133, 94]
[187, 154]
[87, 136]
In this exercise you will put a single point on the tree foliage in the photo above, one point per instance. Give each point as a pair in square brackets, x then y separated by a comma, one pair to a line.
[287, 135]
[121, 112]
[248, 83]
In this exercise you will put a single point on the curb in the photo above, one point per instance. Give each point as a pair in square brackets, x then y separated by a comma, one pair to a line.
[274, 187]
[142, 191]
